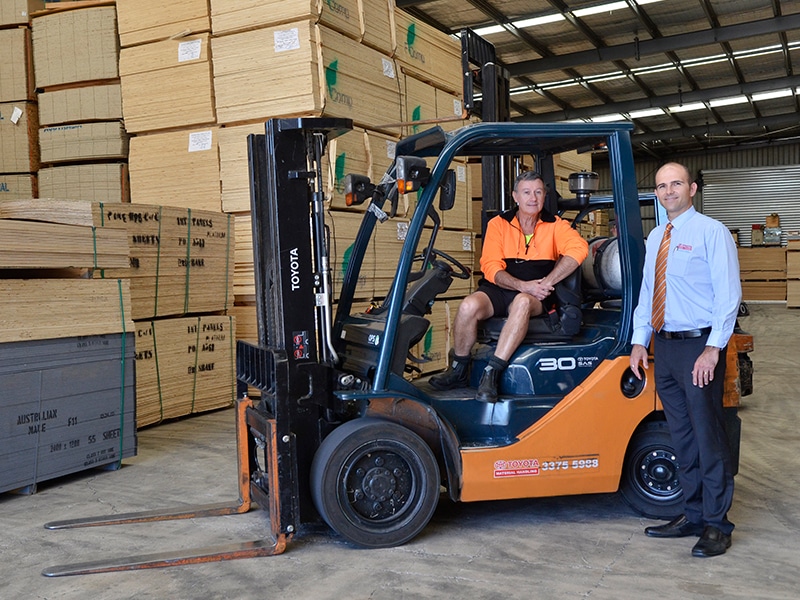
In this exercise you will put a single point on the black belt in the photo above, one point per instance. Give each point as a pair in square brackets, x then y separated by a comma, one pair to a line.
[684, 335]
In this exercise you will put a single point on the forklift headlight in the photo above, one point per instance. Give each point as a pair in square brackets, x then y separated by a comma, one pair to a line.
[412, 173]
[357, 189]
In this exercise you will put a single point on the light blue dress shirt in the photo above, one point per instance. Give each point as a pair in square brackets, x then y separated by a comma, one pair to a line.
[703, 288]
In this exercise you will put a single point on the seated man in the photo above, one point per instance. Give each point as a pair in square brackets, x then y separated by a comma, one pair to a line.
[526, 251]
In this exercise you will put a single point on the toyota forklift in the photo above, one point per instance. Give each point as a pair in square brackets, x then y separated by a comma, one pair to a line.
[336, 428]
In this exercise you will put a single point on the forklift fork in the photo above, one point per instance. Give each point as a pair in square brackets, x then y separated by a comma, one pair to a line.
[245, 446]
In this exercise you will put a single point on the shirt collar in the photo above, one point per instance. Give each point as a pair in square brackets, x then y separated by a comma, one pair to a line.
[544, 215]
[683, 217]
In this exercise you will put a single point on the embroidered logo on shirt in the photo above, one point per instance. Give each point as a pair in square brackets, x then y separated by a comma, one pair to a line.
[683, 247]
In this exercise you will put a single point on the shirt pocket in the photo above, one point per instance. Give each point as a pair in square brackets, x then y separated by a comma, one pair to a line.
[678, 263]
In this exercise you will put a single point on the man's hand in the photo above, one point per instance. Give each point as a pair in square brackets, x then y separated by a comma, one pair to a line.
[703, 372]
[537, 288]
[638, 355]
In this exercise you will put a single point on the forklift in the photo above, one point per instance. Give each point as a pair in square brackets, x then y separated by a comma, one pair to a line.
[335, 426]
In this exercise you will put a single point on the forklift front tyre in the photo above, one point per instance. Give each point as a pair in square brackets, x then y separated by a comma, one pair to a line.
[650, 474]
[375, 483]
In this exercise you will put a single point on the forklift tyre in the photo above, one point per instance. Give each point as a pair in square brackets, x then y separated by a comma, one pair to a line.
[375, 483]
[650, 473]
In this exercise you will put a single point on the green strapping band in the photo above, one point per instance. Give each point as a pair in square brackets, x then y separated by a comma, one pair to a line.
[122, 373]
[196, 355]
[188, 257]
[94, 245]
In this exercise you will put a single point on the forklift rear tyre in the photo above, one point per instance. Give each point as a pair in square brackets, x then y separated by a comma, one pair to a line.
[375, 483]
[650, 474]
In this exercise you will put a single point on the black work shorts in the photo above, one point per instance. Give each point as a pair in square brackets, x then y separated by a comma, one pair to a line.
[500, 298]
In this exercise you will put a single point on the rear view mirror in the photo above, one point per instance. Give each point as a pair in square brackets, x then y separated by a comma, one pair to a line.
[357, 189]
[447, 192]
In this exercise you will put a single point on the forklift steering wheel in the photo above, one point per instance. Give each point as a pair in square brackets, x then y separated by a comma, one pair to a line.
[461, 271]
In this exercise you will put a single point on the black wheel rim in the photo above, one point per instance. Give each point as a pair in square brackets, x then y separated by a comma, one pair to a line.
[655, 474]
[380, 484]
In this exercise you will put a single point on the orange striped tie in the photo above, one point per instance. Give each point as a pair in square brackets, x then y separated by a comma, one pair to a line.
[660, 282]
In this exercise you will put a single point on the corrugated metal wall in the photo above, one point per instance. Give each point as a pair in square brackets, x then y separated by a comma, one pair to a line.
[767, 156]
[741, 198]
[754, 191]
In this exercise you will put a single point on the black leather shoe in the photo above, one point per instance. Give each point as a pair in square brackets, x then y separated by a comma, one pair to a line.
[456, 376]
[487, 388]
[679, 527]
[712, 543]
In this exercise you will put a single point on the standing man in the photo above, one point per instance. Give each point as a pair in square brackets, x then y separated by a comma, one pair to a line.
[526, 251]
[689, 300]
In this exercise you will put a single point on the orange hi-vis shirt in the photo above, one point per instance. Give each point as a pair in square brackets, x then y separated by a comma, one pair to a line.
[553, 237]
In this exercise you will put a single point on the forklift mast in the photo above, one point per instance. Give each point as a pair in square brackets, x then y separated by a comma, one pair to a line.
[291, 364]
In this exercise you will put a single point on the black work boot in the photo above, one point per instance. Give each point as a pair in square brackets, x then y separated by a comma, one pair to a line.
[456, 375]
[487, 388]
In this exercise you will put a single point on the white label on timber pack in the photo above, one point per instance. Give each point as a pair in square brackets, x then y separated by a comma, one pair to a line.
[189, 50]
[16, 114]
[466, 243]
[287, 40]
[391, 149]
[461, 173]
[402, 231]
[199, 141]
[388, 67]
[457, 109]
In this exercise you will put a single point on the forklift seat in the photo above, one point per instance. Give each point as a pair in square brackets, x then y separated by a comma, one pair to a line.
[561, 322]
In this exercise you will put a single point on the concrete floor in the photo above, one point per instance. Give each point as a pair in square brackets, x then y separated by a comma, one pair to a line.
[571, 547]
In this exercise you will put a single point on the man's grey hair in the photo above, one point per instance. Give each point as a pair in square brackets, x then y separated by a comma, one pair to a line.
[527, 176]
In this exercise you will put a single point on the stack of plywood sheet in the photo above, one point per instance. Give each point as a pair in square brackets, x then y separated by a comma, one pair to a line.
[19, 154]
[68, 404]
[84, 147]
[302, 68]
[19, 146]
[176, 168]
[184, 365]
[66, 351]
[793, 273]
[168, 103]
[762, 271]
[181, 260]
[33, 245]
[427, 53]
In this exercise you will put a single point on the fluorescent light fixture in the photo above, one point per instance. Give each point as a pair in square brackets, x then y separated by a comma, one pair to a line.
[687, 107]
[490, 30]
[729, 101]
[607, 77]
[595, 10]
[772, 95]
[646, 112]
[608, 118]
[544, 20]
